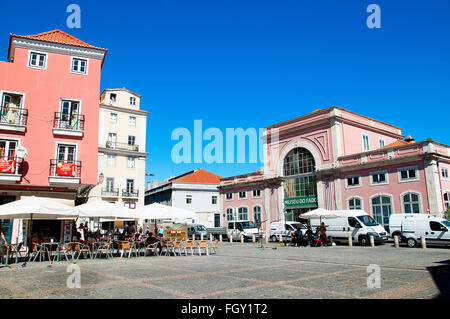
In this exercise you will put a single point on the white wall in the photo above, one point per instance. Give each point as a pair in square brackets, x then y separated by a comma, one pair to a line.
[201, 201]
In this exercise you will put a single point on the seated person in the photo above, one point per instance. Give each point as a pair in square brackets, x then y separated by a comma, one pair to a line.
[298, 236]
[309, 236]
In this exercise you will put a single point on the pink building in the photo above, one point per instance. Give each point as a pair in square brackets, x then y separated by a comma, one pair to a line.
[49, 93]
[337, 159]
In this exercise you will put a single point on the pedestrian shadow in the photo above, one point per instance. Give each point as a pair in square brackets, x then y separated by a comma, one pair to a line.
[441, 277]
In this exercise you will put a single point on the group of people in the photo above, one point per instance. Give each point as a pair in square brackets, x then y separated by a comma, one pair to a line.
[298, 239]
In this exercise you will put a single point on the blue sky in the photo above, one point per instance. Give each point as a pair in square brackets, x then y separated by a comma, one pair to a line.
[253, 63]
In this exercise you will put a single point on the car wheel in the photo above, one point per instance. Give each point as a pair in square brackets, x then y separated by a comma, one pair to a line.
[363, 241]
[399, 235]
[273, 238]
[411, 242]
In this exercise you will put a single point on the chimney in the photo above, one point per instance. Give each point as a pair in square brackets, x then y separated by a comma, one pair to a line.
[409, 139]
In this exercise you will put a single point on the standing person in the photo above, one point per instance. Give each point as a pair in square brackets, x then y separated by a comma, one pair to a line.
[2, 236]
[309, 236]
[323, 234]
[298, 236]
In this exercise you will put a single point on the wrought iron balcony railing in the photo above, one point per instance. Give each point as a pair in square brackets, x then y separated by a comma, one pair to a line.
[110, 192]
[13, 115]
[73, 122]
[122, 146]
[10, 165]
[65, 168]
[130, 193]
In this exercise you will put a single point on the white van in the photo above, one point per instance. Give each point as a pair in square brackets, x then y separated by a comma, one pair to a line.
[395, 223]
[434, 229]
[284, 229]
[356, 223]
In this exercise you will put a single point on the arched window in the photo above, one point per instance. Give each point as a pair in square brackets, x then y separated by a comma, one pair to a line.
[299, 161]
[299, 167]
[381, 209]
[411, 203]
[229, 214]
[354, 203]
[243, 213]
[447, 201]
[257, 213]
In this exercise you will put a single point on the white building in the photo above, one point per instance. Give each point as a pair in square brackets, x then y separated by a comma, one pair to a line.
[121, 149]
[196, 191]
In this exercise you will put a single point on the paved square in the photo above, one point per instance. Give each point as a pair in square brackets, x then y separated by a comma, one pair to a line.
[242, 271]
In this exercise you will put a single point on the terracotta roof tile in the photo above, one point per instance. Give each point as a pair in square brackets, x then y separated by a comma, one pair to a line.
[198, 176]
[396, 143]
[57, 36]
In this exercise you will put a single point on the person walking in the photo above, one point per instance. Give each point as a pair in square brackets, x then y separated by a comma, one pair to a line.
[323, 234]
[298, 236]
[309, 236]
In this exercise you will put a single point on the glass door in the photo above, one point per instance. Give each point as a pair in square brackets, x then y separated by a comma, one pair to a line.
[69, 114]
[112, 140]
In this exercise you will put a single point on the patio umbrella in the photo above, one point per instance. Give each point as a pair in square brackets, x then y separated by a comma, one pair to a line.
[160, 211]
[320, 213]
[106, 210]
[36, 208]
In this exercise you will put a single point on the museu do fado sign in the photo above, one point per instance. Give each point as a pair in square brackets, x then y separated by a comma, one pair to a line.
[301, 202]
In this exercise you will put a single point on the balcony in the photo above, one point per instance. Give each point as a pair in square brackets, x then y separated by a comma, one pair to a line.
[10, 170]
[66, 124]
[122, 146]
[13, 118]
[110, 192]
[130, 194]
[64, 173]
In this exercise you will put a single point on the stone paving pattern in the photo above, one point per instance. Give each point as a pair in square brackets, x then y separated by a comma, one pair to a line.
[242, 271]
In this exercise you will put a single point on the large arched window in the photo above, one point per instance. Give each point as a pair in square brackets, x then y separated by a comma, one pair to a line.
[229, 214]
[299, 161]
[299, 167]
[381, 209]
[354, 203]
[411, 203]
[257, 213]
[243, 213]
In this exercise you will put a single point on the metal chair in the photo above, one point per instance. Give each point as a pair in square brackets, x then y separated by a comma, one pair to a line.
[104, 249]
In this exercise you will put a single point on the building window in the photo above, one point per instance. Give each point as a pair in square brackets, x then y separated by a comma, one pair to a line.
[131, 140]
[132, 100]
[447, 201]
[8, 149]
[300, 166]
[379, 178]
[444, 173]
[112, 140]
[353, 181]
[242, 195]
[132, 121]
[381, 209]
[79, 66]
[354, 203]
[110, 186]
[243, 213]
[130, 186]
[111, 161]
[113, 97]
[131, 162]
[113, 118]
[229, 196]
[407, 174]
[411, 203]
[256, 193]
[381, 142]
[214, 200]
[130, 205]
[229, 214]
[38, 60]
[366, 145]
[188, 199]
[257, 213]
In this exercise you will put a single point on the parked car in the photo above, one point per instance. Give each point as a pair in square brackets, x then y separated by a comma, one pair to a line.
[435, 230]
[284, 229]
[235, 229]
[198, 230]
[357, 223]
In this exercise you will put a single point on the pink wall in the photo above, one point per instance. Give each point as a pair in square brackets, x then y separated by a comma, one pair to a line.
[43, 90]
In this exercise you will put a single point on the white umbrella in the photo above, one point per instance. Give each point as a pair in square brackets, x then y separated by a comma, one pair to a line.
[321, 213]
[103, 209]
[36, 208]
[160, 211]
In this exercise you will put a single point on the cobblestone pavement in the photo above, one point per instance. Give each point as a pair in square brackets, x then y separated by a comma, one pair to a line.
[242, 271]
